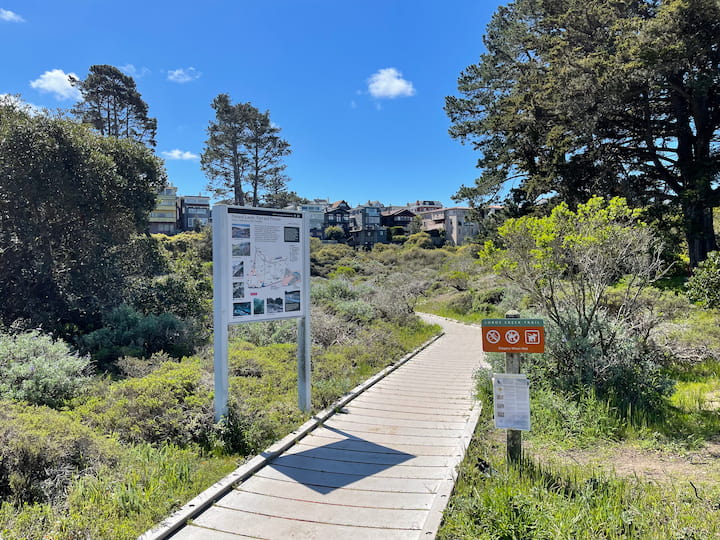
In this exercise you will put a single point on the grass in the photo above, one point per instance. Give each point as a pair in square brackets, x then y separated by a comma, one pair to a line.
[452, 307]
[549, 498]
[560, 501]
[568, 485]
[119, 502]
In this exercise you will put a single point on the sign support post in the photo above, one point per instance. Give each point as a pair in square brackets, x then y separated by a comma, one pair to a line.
[303, 363]
[304, 340]
[514, 436]
[511, 396]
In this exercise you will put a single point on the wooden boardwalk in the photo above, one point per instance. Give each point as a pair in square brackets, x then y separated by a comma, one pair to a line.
[383, 467]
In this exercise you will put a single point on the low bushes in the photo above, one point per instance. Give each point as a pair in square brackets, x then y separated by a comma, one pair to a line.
[172, 405]
[626, 370]
[704, 285]
[42, 451]
[40, 370]
[127, 332]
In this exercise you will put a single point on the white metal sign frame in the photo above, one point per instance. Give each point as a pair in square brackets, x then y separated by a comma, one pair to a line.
[261, 272]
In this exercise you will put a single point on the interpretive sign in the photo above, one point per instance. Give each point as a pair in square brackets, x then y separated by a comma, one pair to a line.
[261, 272]
[511, 403]
[264, 261]
[513, 335]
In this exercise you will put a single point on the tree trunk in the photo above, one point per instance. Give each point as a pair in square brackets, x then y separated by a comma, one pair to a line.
[699, 230]
[256, 183]
[239, 195]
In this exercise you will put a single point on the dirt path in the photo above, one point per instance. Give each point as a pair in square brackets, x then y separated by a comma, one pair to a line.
[699, 467]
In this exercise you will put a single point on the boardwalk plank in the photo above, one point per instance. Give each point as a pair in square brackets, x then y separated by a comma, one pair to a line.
[380, 469]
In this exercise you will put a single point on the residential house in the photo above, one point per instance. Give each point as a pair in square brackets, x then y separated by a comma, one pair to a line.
[366, 227]
[338, 214]
[163, 219]
[397, 217]
[424, 206]
[454, 221]
[193, 212]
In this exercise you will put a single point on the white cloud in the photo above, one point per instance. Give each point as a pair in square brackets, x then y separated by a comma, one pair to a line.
[388, 83]
[183, 75]
[9, 16]
[180, 154]
[132, 71]
[57, 82]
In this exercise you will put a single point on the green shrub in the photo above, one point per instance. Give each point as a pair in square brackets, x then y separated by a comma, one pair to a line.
[326, 257]
[458, 279]
[172, 405]
[331, 291]
[356, 310]
[41, 450]
[490, 296]
[343, 271]
[704, 285]
[333, 232]
[399, 238]
[328, 329]
[416, 258]
[461, 303]
[266, 332]
[42, 371]
[127, 332]
[421, 240]
[625, 370]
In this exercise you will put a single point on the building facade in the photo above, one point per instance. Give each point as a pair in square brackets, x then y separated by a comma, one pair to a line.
[454, 221]
[397, 217]
[338, 214]
[163, 219]
[193, 212]
[366, 227]
[424, 206]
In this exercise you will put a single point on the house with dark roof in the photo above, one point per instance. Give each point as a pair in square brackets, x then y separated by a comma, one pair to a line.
[397, 217]
[338, 214]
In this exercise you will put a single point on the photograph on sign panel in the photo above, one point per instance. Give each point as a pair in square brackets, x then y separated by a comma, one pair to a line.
[241, 309]
[258, 306]
[292, 234]
[241, 250]
[241, 231]
[292, 301]
[274, 305]
[239, 269]
[238, 290]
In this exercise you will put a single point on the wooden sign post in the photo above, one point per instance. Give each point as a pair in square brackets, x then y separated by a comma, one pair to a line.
[513, 336]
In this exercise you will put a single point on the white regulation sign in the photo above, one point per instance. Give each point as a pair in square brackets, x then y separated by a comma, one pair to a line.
[511, 393]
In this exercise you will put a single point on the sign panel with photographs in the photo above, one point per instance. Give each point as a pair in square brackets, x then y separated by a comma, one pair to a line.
[265, 258]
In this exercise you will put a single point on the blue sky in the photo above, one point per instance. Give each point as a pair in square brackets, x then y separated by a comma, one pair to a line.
[357, 87]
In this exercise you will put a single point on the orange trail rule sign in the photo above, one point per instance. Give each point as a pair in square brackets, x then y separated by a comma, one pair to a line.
[513, 335]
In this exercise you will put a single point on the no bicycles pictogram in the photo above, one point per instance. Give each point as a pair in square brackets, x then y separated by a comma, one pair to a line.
[493, 336]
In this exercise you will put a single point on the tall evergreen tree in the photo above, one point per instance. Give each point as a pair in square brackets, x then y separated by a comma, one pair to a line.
[112, 104]
[575, 98]
[243, 152]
